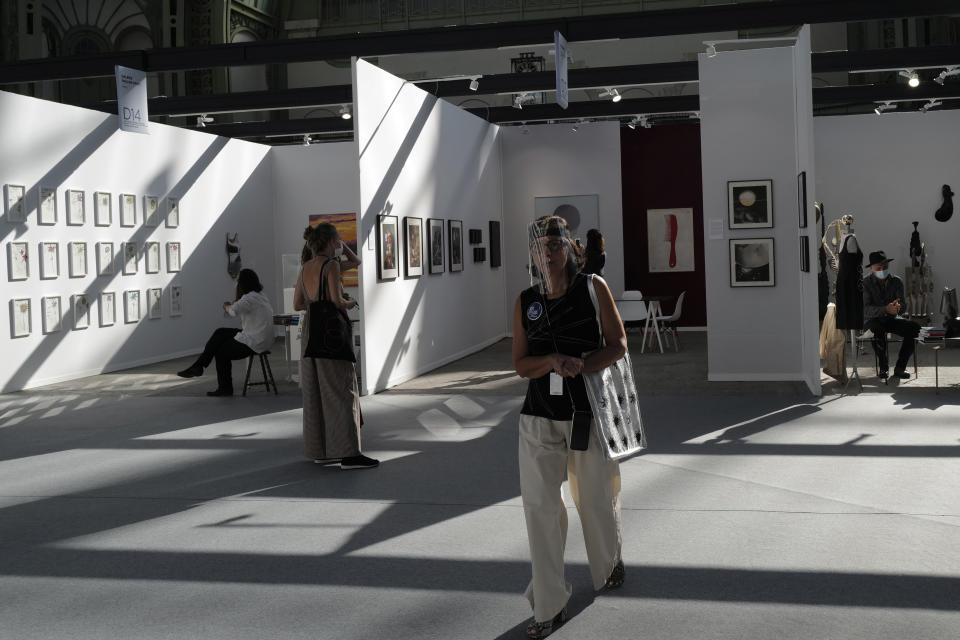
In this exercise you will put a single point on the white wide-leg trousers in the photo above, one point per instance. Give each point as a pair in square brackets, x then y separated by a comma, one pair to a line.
[595, 485]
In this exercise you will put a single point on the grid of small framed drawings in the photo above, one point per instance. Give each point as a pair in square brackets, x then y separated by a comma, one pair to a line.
[113, 258]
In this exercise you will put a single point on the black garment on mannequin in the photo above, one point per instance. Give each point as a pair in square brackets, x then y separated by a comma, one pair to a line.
[224, 348]
[849, 287]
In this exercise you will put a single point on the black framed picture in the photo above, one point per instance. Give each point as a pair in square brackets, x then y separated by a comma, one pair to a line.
[752, 262]
[387, 266]
[750, 204]
[456, 245]
[435, 244]
[805, 254]
[494, 244]
[413, 247]
[802, 197]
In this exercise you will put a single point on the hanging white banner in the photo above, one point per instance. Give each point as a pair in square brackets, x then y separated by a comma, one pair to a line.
[132, 99]
[560, 53]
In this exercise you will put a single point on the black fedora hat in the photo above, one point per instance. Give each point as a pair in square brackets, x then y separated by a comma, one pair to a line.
[879, 257]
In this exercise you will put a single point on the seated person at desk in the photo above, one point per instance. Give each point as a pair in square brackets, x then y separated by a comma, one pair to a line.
[882, 294]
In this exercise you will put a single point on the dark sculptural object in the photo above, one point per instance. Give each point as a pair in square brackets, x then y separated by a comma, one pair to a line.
[946, 209]
[916, 247]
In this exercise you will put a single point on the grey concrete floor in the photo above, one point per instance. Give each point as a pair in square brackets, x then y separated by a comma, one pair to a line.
[132, 506]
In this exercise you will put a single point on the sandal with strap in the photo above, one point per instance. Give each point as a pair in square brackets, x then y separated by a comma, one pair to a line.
[617, 576]
[537, 630]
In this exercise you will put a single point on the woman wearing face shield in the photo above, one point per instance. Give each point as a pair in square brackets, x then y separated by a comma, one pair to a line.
[556, 339]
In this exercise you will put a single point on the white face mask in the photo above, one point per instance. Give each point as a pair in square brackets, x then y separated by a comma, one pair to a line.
[339, 250]
[881, 274]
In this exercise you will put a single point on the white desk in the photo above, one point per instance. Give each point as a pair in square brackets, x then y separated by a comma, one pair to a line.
[653, 310]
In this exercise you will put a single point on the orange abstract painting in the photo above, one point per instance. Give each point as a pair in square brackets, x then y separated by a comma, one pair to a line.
[346, 224]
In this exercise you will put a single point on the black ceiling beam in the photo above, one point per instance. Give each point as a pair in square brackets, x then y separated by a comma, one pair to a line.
[638, 24]
[589, 109]
[886, 59]
[869, 93]
[279, 127]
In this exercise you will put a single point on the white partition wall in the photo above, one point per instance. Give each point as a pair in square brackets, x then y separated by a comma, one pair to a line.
[756, 125]
[425, 158]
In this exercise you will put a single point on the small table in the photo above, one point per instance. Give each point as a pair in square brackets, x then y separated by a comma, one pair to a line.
[653, 310]
[289, 322]
[937, 344]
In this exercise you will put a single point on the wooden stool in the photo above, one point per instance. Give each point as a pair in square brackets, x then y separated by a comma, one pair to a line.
[267, 373]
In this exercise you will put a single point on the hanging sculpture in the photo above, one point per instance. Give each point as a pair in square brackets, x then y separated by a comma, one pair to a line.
[946, 209]
[234, 264]
[919, 280]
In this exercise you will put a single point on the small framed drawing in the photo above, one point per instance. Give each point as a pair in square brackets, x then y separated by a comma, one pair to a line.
[805, 254]
[154, 299]
[456, 245]
[78, 259]
[128, 210]
[104, 258]
[750, 204]
[49, 260]
[176, 301]
[129, 258]
[102, 209]
[52, 318]
[48, 206]
[13, 204]
[76, 207]
[81, 311]
[173, 257]
[20, 320]
[413, 247]
[387, 267]
[131, 306]
[802, 198]
[108, 308]
[435, 239]
[173, 213]
[18, 261]
[494, 244]
[152, 257]
[751, 262]
[151, 211]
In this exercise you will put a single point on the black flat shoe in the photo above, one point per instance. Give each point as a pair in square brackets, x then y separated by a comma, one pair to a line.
[903, 375]
[218, 393]
[193, 371]
[359, 462]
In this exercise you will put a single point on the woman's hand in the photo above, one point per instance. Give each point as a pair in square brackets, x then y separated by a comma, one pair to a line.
[566, 366]
[351, 304]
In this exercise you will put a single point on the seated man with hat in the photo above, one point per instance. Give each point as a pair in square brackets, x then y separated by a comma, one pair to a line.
[882, 294]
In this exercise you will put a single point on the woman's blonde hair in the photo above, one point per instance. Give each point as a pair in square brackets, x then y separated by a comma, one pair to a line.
[320, 236]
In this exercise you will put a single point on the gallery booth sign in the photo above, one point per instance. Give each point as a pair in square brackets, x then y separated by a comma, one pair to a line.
[132, 99]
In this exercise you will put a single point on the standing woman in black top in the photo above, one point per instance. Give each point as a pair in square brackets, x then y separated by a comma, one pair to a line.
[555, 340]
[596, 253]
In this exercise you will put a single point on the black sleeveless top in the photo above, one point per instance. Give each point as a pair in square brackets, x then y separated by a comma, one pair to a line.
[573, 320]
[849, 287]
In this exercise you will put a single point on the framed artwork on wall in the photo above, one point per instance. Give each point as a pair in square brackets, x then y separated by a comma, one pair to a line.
[387, 266]
[151, 211]
[102, 208]
[129, 258]
[20, 317]
[47, 199]
[456, 245]
[435, 242]
[51, 318]
[78, 259]
[750, 204]
[173, 257]
[670, 240]
[172, 221]
[494, 244]
[802, 196]
[128, 210]
[104, 258]
[346, 224]
[152, 257]
[176, 301]
[131, 306]
[108, 308]
[76, 207]
[751, 262]
[81, 311]
[18, 261]
[413, 246]
[154, 300]
[49, 260]
[13, 202]
[805, 254]
[581, 212]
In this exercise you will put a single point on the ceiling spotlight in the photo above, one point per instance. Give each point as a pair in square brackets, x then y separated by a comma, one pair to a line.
[912, 78]
[711, 50]
[930, 105]
[884, 106]
[633, 123]
[474, 83]
[203, 119]
[520, 100]
[612, 93]
[345, 112]
[946, 73]
[306, 139]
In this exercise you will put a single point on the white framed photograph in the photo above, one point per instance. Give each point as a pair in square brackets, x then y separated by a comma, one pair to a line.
[104, 258]
[752, 262]
[78, 259]
[131, 306]
[154, 302]
[128, 210]
[102, 208]
[48, 205]
[81, 311]
[76, 207]
[151, 211]
[108, 308]
[18, 260]
[455, 228]
[49, 260]
[173, 213]
[13, 202]
[176, 301]
[20, 322]
[173, 257]
[52, 318]
[750, 204]
[129, 258]
[152, 257]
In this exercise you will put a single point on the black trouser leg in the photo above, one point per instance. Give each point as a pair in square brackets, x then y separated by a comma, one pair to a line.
[908, 330]
[228, 351]
[221, 336]
[878, 327]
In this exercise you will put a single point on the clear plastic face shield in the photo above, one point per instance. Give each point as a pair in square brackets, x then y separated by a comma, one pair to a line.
[553, 261]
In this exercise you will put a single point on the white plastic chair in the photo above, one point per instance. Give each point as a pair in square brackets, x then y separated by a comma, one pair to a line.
[631, 306]
[668, 324]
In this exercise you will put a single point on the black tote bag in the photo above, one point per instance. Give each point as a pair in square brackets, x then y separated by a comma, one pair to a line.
[331, 332]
